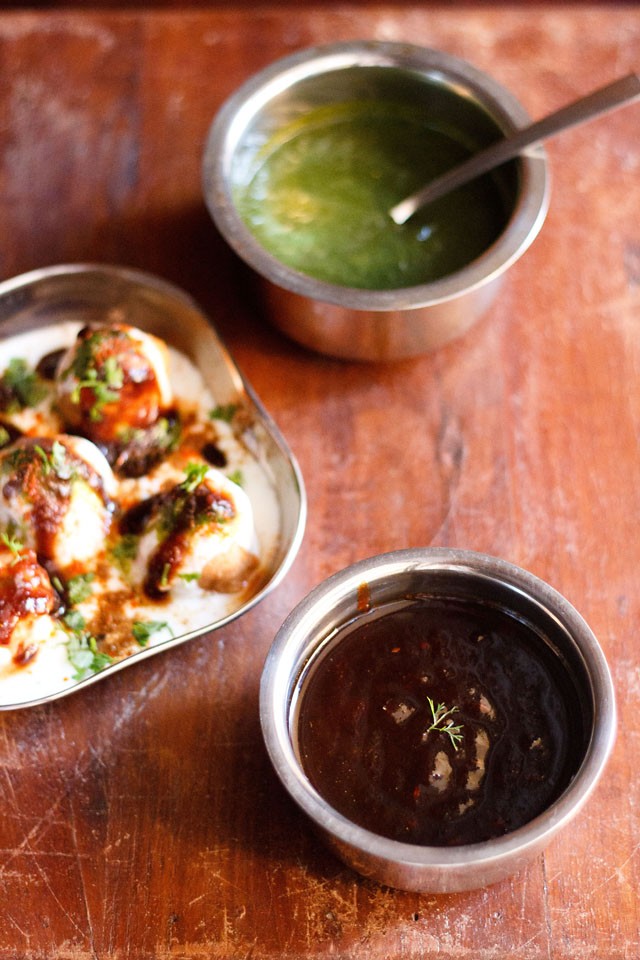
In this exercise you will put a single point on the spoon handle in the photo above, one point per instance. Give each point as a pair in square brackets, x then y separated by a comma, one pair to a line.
[615, 94]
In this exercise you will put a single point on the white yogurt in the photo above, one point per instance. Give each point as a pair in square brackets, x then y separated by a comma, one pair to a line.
[189, 607]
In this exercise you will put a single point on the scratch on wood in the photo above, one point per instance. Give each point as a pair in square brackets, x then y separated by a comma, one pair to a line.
[85, 900]
[56, 899]
[17, 926]
[617, 873]
[25, 844]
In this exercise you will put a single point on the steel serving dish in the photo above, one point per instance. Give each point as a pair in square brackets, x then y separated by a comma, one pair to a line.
[99, 293]
[359, 324]
[441, 572]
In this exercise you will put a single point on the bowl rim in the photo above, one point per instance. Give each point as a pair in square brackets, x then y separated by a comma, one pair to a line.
[274, 712]
[526, 220]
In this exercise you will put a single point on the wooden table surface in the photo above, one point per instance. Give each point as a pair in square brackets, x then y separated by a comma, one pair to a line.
[140, 818]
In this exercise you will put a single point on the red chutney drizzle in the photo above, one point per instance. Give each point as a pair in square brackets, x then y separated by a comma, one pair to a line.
[176, 512]
[45, 486]
[368, 742]
[133, 400]
[25, 590]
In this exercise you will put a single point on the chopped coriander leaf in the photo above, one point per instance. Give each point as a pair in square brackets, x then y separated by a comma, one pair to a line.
[129, 434]
[113, 375]
[23, 384]
[84, 357]
[83, 654]
[12, 544]
[236, 477]
[80, 656]
[165, 433]
[143, 630]
[224, 411]
[101, 392]
[5, 436]
[43, 456]
[194, 475]
[79, 588]
[74, 620]
[100, 659]
[189, 577]
[105, 383]
[82, 648]
[167, 518]
[125, 550]
[56, 461]
[168, 431]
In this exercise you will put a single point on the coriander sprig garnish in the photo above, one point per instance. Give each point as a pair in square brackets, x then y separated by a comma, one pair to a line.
[194, 475]
[105, 387]
[124, 551]
[442, 722]
[56, 461]
[237, 477]
[143, 630]
[224, 411]
[23, 384]
[82, 647]
[105, 378]
[13, 544]
[79, 587]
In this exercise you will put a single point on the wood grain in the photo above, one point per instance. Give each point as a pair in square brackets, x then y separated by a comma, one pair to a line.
[140, 818]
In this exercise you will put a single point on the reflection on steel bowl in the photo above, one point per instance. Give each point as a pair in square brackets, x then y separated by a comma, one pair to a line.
[305, 160]
[439, 715]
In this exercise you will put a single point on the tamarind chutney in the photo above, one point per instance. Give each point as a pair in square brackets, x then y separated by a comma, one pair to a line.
[440, 721]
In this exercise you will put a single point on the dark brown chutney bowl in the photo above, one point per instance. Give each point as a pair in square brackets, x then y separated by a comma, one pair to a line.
[438, 714]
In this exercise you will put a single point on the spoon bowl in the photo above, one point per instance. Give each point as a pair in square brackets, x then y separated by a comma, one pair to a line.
[616, 94]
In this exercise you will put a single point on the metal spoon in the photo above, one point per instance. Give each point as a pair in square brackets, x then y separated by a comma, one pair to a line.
[614, 95]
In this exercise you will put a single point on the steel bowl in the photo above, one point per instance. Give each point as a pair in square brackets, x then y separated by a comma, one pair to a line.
[33, 305]
[347, 322]
[439, 572]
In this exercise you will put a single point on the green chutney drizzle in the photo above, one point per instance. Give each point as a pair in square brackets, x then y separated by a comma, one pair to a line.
[319, 196]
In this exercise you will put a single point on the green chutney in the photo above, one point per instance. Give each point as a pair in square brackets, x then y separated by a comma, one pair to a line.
[320, 191]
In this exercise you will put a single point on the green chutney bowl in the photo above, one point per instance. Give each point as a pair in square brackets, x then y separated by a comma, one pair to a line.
[336, 286]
